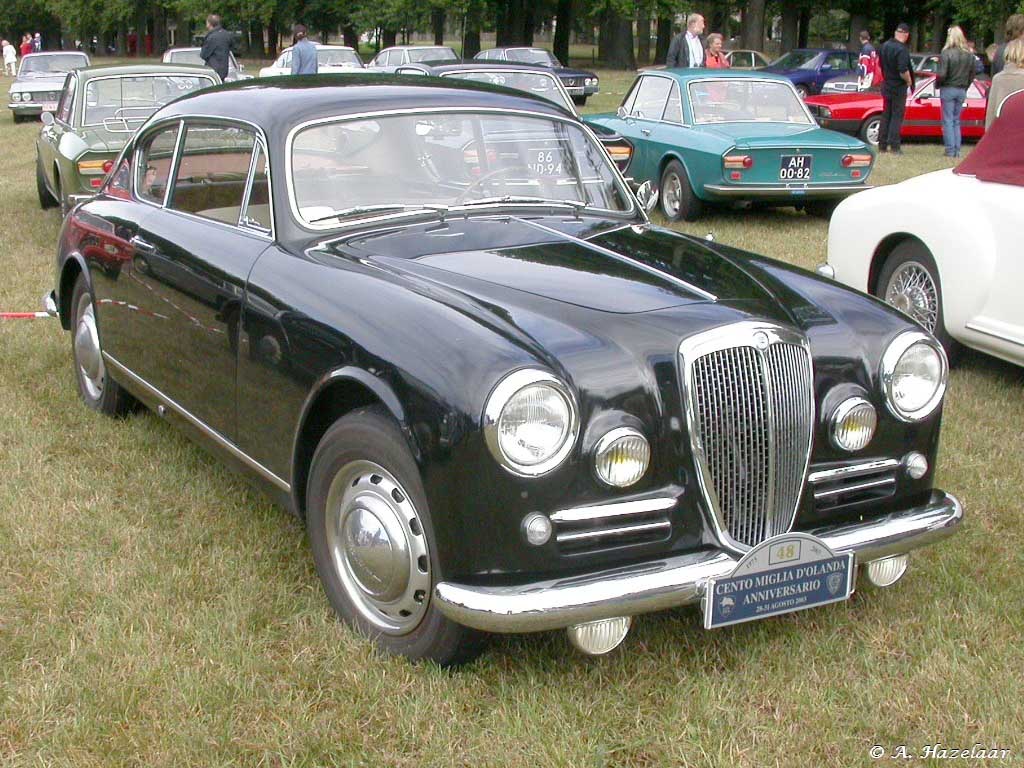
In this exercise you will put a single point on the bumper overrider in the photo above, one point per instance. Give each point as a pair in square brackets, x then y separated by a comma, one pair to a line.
[677, 580]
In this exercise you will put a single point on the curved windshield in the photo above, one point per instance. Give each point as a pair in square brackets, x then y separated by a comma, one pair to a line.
[797, 60]
[537, 83]
[55, 63]
[190, 56]
[337, 57]
[432, 54]
[350, 169]
[532, 56]
[124, 103]
[744, 101]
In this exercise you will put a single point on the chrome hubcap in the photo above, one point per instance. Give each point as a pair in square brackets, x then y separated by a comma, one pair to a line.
[912, 291]
[872, 132]
[672, 194]
[377, 547]
[87, 349]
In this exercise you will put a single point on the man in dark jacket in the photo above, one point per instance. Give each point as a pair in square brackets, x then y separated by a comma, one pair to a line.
[217, 46]
[1014, 31]
[896, 78]
[687, 48]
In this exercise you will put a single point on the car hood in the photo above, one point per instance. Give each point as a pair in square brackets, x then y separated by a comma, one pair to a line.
[40, 82]
[757, 135]
[569, 72]
[865, 98]
[624, 270]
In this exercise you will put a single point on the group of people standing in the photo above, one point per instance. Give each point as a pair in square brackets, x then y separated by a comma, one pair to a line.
[218, 43]
[29, 44]
[690, 49]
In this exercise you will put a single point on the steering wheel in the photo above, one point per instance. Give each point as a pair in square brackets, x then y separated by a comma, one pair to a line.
[487, 177]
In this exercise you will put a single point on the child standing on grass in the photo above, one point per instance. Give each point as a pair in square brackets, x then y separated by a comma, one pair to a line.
[10, 59]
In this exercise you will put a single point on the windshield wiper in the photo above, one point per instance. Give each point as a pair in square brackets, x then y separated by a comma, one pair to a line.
[346, 212]
[577, 205]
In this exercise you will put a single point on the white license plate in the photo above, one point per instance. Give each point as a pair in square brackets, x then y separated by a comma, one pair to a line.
[545, 162]
[49, 106]
[788, 573]
[795, 167]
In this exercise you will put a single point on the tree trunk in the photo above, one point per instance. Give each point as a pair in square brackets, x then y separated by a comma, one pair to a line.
[122, 39]
[790, 27]
[563, 27]
[437, 18]
[528, 24]
[159, 31]
[805, 27]
[350, 36]
[858, 21]
[388, 37]
[471, 30]
[643, 32]
[617, 37]
[664, 39]
[753, 25]
[272, 40]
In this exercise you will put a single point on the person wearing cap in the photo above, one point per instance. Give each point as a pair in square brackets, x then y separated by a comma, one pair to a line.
[896, 78]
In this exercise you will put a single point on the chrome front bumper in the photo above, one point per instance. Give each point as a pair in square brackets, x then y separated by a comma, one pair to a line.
[674, 581]
[783, 193]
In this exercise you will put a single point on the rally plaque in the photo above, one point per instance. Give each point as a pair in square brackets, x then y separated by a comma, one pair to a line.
[787, 573]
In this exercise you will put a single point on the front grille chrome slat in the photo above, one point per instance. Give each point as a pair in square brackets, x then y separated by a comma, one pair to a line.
[749, 403]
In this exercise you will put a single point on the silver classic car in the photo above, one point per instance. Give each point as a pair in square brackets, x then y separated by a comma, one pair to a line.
[40, 80]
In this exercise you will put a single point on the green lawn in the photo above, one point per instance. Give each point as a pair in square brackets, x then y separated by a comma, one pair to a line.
[155, 611]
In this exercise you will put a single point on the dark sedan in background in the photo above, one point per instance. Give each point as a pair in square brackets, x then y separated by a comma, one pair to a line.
[434, 322]
[580, 83]
[809, 68]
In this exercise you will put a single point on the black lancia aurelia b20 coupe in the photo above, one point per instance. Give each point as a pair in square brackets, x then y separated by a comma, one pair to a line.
[431, 319]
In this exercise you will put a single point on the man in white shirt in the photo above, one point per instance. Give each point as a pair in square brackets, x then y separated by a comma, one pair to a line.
[687, 48]
[10, 59]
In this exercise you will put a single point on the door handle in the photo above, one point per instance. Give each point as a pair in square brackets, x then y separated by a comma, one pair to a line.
[142, 246]
[645, 131]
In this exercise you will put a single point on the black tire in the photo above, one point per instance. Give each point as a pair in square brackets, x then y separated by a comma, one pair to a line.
[822, 209]
[65, 206]
[803, 90]
[369, 440]
[46, 200]
[16, 117]
[677, 199]
[579, 101]
[869, 130]
[96, 387]
[912, 258]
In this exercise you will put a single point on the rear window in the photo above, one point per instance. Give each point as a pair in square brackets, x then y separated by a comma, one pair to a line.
[124, 103]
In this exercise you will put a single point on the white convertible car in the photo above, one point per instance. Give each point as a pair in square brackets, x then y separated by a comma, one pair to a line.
[945, 247]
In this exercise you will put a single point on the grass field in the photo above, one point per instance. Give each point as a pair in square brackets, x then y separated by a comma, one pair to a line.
[155, 611]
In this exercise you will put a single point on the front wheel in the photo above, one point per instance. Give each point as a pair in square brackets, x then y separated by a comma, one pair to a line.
[373, 540]
[96, 388]
[677, 198]
[869, 130]
[910, 282]
[46, 200]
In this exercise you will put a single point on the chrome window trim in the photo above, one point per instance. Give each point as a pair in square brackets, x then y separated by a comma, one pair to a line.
[243, 219]
[143, 137]
[893, 352]
[197, 75]
[568, 102]
[783, 82]
[714, 340]
[500, 396]
[624, 189]
[199, 424]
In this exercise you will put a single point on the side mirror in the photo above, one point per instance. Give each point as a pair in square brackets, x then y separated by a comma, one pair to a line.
[622, 113]
[825, 66]
[47, 118]
[647, 195]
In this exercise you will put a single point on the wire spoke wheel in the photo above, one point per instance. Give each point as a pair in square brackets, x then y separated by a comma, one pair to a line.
[911, 289]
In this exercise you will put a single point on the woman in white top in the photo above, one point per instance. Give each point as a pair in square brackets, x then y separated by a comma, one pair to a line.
[10, 59]
[1008, 82]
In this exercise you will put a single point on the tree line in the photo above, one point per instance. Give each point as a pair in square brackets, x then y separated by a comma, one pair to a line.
[627, 33]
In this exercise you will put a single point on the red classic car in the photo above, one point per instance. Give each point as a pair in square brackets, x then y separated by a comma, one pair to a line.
[860, 113]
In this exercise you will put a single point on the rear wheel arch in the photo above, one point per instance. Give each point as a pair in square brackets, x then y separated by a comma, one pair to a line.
[881, 255]
[68, 274]
[336, 395]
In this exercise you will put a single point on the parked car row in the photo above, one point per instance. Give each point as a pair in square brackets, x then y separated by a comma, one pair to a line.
[430, 316]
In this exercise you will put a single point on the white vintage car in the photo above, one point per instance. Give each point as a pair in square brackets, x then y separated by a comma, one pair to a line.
[329, 58]
[945, 247]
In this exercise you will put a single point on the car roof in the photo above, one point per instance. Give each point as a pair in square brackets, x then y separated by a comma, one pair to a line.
[411, 47]
[37, 54]
[277, 104]
[102, 70]
[325, 46]
[688, 74]
[476, 65]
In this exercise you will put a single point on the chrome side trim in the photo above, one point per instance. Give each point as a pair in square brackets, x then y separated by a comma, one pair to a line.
[622, 530]
[673, 581]
[213, 434]
[854, 488]
[994, 334]
[621, 257]
[854, 470]
[599, 512]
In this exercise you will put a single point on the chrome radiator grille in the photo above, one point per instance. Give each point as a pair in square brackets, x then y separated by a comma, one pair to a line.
[750, 405]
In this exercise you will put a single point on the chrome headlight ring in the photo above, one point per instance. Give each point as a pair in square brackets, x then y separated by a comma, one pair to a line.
[891, 359]
[499, 399]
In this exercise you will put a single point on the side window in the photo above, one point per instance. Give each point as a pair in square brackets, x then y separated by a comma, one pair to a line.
[630, 99]
[257, 205]
[64, 113]
[651, 97]
[213, 171]
[742, 59]
[927, 91]
[674, 108]
[836, 60]
[384, 59]
[154, 166]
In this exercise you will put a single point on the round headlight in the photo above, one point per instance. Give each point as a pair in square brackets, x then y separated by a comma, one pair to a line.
[853, 424]
[621, 457]
[530, 422]
[16, 96]
[914, 372]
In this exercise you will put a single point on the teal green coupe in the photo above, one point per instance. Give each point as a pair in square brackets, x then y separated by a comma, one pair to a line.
[99, 110]
[703, 136]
